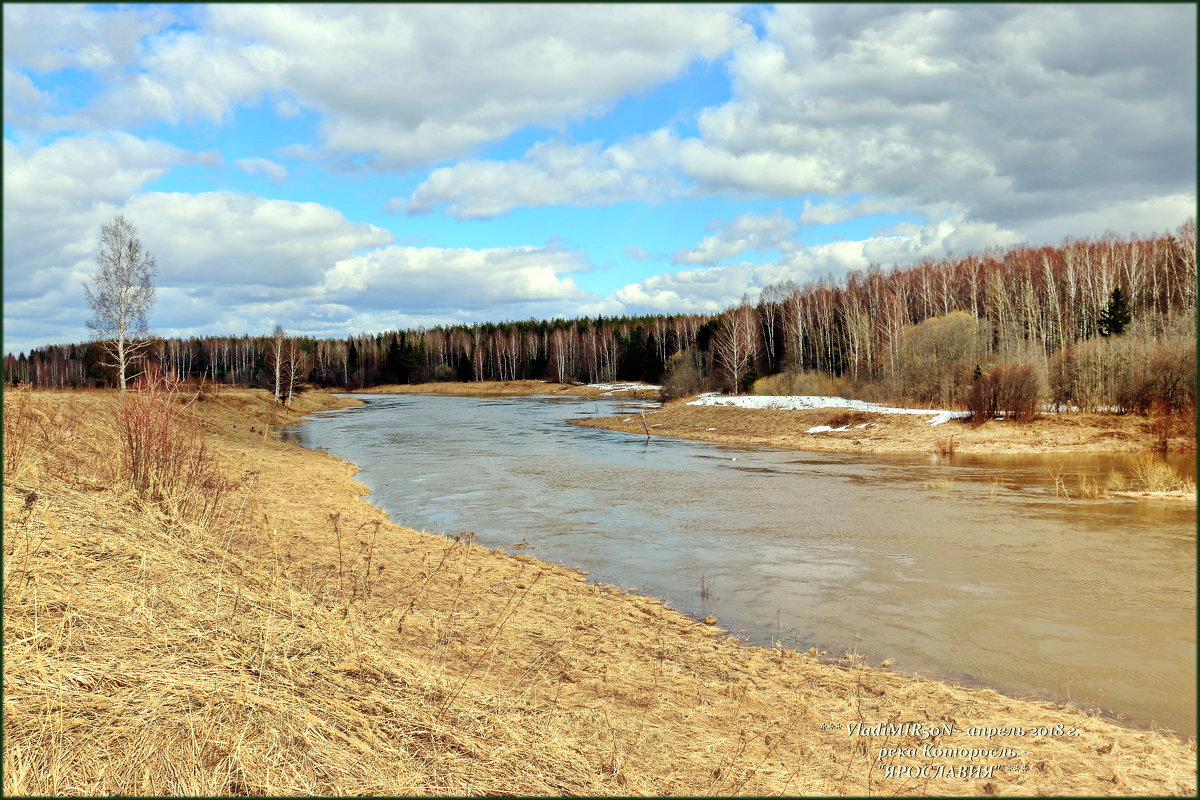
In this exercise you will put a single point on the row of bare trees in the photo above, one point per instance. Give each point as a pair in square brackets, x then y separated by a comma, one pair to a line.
[919, 332]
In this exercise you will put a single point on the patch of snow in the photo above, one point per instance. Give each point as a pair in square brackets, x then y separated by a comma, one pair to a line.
[710, 429]
[827, 429]
[609, 388]
[803, 402]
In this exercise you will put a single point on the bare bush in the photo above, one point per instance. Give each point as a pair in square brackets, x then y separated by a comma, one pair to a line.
[164, 450]
[1008, 390]
[1143, 369]
[1156, 475]
[938, 356]
[685, 374]
[1164, 379]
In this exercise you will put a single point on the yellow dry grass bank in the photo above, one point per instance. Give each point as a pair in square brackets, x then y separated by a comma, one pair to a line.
[292, 641]
[903, 433]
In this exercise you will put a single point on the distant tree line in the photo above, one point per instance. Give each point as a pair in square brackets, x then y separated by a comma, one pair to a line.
[1091, 319]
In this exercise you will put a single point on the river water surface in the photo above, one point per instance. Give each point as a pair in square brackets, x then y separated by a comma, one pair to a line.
[970, 569]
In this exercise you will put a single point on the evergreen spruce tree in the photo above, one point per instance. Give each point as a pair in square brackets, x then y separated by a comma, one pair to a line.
[1115, 318]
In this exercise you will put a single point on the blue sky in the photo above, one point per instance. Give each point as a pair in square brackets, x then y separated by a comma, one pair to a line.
[339, 169]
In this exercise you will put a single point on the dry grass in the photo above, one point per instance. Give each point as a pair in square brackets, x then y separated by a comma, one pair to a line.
[1156, 475]
[301, 644]
[946, 447]
[902, 433]
[843, 417]
[164, 450]
[1090, 488]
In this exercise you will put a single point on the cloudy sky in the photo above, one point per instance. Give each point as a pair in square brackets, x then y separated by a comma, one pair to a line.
[345, 169]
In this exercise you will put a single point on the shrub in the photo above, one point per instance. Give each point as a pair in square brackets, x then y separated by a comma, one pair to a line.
[444, 372]
[1143, 369]
[938, 356]
[684, 374]
[1012, 390]
[1156, 475]
[1164, 379]
[164, 450]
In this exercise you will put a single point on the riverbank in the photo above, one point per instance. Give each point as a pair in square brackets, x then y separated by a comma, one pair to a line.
[299, 642]
[621, 389]
[844, 430]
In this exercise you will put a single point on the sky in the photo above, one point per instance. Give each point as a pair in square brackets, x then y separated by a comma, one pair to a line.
[346, 169]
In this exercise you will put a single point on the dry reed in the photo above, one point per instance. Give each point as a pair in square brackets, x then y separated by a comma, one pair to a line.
[1156, 475]
[945, 447]
[1090, 488]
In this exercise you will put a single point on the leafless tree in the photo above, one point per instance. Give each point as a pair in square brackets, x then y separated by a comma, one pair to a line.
[295, 363]
[123, 294]
[736, 343]
[276, 360]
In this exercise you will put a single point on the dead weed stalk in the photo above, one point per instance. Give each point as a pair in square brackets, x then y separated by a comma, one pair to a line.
[164, 451]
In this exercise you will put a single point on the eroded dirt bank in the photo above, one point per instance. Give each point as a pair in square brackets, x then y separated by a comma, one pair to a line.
[301, 643]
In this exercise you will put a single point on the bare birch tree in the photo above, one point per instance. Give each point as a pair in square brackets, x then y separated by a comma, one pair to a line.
[276, 359]
[736, 343]
[295, 362]
[123, 295]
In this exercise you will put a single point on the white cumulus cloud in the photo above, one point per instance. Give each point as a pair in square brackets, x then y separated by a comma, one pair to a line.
[409, 85]
[450, 279]
[756, 232]
[550, 173]
[272, 170]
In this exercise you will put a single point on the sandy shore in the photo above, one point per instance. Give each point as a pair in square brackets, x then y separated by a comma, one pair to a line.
[318, 648]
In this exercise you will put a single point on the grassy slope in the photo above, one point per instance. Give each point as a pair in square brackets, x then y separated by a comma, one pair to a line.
[301, 643]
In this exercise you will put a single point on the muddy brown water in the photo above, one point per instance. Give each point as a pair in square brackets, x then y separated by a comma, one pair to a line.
[969, 569]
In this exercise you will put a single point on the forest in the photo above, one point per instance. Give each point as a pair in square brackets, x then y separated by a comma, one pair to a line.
[1095, 324]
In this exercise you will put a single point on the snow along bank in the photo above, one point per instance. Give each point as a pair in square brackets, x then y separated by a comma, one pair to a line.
[802, 402]
[609, 389]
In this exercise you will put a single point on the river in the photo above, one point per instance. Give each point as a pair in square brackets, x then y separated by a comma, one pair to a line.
[969, 569]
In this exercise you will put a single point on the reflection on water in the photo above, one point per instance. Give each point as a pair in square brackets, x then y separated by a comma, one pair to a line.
[970, 569]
